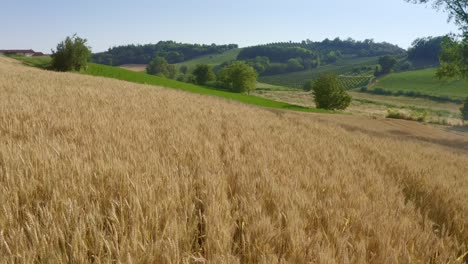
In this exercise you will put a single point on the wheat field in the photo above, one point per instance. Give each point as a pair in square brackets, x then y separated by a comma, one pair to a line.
[95, 170]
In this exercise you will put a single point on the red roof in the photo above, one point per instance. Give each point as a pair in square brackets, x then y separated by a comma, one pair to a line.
[17, 51]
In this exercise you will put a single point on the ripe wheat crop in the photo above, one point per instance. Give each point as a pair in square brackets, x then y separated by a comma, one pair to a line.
[100, 170]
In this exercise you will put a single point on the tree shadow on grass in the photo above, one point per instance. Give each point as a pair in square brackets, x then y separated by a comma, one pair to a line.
[459, 145]
[462, 129]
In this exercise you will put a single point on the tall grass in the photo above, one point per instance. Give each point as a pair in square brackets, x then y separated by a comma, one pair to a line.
[143, 78]
[99, 170]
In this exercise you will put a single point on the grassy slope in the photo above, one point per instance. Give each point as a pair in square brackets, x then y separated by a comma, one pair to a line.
[297, 79]
[212, 60]
[105, 171]
[425, 82]
[140, 77]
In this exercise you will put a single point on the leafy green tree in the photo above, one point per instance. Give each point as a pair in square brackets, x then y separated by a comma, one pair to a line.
[160, 66]
[260, 64]
[464, 110]
[171, 71]
[203, 73]
[329, 94]
[238, 77]
[71, 54]
[174, 57]
[457, 9]
[387, 63]
[295, 64]
[454, 55]
[426, 50]
[183, 69]
[454, 59]
[332, 56]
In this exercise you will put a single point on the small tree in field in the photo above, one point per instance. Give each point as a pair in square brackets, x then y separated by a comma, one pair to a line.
[160, 66]
[183, 69]
[238, 77]
[387, 63]
[71, 54]
[464, 110]
[329, 94]
[203, 73]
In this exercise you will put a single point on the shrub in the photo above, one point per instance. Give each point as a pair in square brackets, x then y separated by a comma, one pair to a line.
[415, 115]
[183, 69]
[393, 113]
[387, 63]
[71, 54]
[189, 78]
[203, 73]
[180, 77]
[160, 66]
[405, 66]
[329, 94]
[238, 77]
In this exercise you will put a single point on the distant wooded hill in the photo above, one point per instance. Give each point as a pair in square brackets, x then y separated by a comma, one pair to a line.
[366, 48]
[172, 51]
[280, 57]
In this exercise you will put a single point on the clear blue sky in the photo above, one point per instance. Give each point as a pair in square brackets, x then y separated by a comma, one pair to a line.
[40, 25]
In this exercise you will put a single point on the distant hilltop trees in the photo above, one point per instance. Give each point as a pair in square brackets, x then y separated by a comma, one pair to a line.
[284, 57]
[426, 50]
[349, 46]
[171, 51]
[280, 57]
[309, 53]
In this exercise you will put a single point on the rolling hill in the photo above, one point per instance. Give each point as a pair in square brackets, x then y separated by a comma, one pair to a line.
[424, 82]
[213, 60]
[95, 169]
[143, 78]
[342, 66]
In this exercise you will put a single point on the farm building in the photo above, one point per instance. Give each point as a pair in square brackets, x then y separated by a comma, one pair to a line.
[27, 53]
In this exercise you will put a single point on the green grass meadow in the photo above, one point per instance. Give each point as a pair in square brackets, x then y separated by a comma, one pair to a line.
[297, 79]
[212, 60]
[424, 82]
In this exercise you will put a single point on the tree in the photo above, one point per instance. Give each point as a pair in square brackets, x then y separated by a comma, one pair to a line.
[387, 63]
[453, 59]
[72, 54]
[329, 94]
[426, 50]
[454, 55]
[203, 73]
[464, 110]
[238, 77]
[160, 66]
[457, 9]
[183, 69]
[295, 65]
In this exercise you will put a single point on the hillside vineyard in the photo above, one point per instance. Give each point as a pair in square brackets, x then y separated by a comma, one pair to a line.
[100, 170]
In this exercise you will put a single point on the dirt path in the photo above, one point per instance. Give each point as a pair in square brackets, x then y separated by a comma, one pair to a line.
[134, 67]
